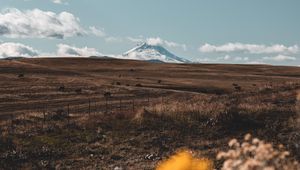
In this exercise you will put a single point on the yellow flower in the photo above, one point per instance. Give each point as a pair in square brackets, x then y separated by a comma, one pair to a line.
[185, 161]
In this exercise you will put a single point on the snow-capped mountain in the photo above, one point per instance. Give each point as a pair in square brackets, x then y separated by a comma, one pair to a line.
[153, 53]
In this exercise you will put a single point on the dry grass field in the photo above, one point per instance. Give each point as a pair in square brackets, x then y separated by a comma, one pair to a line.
[89, 113]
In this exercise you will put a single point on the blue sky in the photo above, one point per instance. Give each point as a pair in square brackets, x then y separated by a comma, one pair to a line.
[231, 31]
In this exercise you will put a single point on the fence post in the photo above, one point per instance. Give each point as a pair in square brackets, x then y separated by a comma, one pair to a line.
[148, 98]
[133, 105]
[111, 105]
[68, 109]
[96, 110]
[144, 103]
[12, 123]
[23, 120]
[162, 102]
[120, 105]
[78, 108]
[89, 107]
[68, 118]
[106, 105]
[44, 117]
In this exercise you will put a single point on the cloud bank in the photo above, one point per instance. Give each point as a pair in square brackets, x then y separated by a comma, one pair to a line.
[249, 48]
[16, 50]
[11, 49]
[38, 24]
[280, 58]
[67, 50]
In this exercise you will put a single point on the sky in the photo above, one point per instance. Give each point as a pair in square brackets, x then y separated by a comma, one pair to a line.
[206, 31]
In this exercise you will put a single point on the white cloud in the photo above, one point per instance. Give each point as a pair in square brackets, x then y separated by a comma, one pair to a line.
[227, 57]
[280, 58]
[255, 62]
[10, 49]
[155, 41]
[98, 32]
[159, 41]
[250, 48]
[56, 1]
[38, 24]
[67, 50]
[59, 1]
[173, 44]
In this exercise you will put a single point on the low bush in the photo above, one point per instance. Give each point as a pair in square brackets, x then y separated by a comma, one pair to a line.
[255, 154]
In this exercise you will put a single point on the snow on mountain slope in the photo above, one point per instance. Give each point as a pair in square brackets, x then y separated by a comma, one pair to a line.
[153, 52]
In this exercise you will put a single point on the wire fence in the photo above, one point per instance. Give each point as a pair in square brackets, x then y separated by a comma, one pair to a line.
[107, 104]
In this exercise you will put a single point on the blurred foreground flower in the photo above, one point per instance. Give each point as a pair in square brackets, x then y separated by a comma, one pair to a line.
[185, 161]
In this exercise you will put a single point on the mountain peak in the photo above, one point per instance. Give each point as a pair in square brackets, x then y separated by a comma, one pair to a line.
[147, 51]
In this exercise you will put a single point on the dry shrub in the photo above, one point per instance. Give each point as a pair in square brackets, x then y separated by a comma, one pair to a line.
[262, 104]
[296, 121]
[139, 115]
[194, 108]
[211, 110]
[255, 154]
[253, 108]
